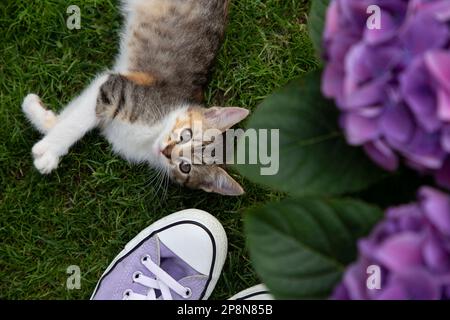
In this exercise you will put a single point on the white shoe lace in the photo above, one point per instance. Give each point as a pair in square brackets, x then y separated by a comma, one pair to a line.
[162, 282]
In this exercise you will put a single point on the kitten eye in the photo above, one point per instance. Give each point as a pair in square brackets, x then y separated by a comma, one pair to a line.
[186, 135]
[185, 167]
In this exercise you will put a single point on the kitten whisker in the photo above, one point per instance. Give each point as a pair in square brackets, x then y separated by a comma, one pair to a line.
[166, 186]
[159, 182]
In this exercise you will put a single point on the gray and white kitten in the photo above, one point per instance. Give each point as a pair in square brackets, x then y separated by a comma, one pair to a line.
[147, 104]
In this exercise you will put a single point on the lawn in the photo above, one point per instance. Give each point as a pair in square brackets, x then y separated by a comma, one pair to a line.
[95, 202]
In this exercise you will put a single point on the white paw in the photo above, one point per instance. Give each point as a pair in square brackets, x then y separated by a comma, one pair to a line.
[30, 103]
[36, 113]
[45, 160]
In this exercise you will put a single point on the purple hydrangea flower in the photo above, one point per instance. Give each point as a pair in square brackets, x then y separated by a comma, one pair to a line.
[411, 248]
[393, 84]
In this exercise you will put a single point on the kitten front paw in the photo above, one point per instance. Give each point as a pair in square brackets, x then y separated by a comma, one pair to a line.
[29, 101]
[45, 160]
[37, 114]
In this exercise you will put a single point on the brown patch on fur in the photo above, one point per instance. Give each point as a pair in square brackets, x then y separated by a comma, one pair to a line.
[50, 120]
[141, 78]
[156, 8]
[192, 120]
[226, 8]
[199, 96]
[192, 115]
[181, 123]
[137, 36]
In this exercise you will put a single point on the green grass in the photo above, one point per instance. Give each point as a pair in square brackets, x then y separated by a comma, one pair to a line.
[95, 202]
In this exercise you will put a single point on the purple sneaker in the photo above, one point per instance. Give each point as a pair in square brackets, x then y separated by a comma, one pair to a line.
[178, 257]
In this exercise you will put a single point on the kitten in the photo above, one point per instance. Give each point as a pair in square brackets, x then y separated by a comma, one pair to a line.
[147, 104]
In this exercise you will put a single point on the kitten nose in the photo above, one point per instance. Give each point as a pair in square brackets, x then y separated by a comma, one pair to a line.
[167, 152]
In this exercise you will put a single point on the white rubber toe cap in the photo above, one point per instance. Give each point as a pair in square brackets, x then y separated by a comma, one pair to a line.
[198, 242]
[259, 292]
[192, 244]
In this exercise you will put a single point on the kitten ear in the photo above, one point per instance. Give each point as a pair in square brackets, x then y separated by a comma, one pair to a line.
[219, 181]
[224, 118]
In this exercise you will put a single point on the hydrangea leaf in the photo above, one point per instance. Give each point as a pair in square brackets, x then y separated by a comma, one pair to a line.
[316, 23]
[314, 158]
[301, 247]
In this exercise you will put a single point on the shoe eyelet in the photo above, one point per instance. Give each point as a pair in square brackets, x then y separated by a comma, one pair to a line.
[145, 258]
[126, 294]
[188, 293]
[136, 275]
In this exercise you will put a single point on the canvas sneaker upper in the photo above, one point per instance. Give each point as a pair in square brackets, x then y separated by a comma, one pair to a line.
[179, 257]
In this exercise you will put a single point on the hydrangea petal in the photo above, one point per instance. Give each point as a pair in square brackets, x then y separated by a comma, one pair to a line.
[435, 256]
[355, 282]
[436, 206]
[369, 94]
[400, 252]
[443, 174]
[438, 64]
[425, 150]
[364, 63]
[338, 48]
[356, 68]
[445, 138]
[394, 291]
[396, 123]
[412, 253]
[360, 129]
[437, 8]
[407, 217]
[332, 20]
[354, 12]
[340, 293]
[443, 97]
[418, 284]
[332, 86]
[418, 39]
[386, 32]
[418, 93]
[382, 155]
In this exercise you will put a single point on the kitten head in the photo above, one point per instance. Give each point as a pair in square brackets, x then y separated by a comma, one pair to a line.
[181, 149]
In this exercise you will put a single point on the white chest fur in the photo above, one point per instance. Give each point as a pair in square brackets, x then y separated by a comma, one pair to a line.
[134, 142]
[139, 143]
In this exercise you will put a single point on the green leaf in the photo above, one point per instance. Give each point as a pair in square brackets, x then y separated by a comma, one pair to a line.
[301, 248]
[314, 158]
[316, 23]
